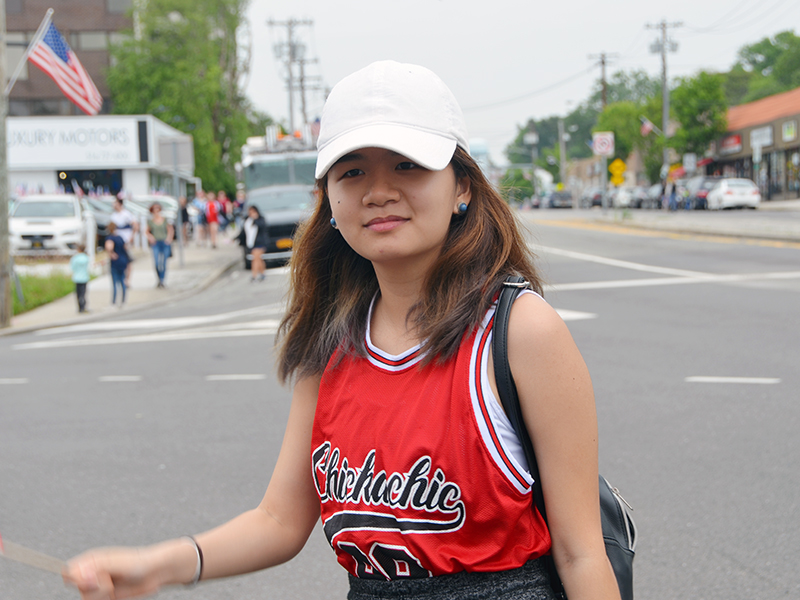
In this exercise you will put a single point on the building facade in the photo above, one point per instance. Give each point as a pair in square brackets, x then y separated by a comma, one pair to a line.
[89, 26]
[104, 154]
[763, 144]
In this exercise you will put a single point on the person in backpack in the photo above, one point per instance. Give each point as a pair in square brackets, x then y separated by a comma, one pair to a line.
[395, 439]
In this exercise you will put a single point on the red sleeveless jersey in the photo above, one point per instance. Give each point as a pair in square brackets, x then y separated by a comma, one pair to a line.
[415, 466]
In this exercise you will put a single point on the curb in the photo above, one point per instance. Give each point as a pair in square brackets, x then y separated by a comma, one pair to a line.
[94, 317]
[752, 235]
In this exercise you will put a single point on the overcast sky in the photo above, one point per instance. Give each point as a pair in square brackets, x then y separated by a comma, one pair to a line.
[505, 60]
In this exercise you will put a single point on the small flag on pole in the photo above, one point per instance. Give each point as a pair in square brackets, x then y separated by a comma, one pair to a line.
[53, 55]
[647, 126]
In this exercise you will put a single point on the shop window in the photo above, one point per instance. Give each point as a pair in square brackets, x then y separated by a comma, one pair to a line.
[92, 40]
[18, 108]
[119, 6]
[15, 50]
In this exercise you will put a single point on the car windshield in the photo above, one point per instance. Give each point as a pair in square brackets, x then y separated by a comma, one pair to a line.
[47, 208]
[741, 183]
[272, 200]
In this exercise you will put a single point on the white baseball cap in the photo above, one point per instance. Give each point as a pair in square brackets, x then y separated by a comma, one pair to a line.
[400, 107]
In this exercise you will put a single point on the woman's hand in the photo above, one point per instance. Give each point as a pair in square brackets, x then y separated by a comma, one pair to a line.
[110, 574]
[117, 573]
[151, 239]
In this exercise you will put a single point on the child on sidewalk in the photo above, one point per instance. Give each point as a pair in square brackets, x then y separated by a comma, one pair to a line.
[79, 265]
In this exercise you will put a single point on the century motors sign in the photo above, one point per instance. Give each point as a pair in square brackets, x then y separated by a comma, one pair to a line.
[72, 142]
[731, 144]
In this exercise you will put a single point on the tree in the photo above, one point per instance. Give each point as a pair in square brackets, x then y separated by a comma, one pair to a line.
[623, 119]
[698, 104]
[634, 86]
[515, 186]
[185, 69]
[774, 65]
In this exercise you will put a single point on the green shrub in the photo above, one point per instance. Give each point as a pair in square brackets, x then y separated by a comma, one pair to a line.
[41, 290]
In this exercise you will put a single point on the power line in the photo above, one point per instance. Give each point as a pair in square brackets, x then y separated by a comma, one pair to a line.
[530, 94]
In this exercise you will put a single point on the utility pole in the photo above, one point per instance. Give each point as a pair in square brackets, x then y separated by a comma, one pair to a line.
[603, 60]
[292, 52]
[6, 304]
[663, 46]
[562, 151]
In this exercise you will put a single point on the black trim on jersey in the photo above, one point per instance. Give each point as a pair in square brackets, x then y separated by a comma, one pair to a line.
[359, 521]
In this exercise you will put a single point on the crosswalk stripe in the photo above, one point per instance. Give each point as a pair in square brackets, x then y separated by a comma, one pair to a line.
[748, 380]
[236, 377]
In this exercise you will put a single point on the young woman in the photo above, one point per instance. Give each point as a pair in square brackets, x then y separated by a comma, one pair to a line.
[159, 235]
[253, 236]
[414, 468]
[118, 263]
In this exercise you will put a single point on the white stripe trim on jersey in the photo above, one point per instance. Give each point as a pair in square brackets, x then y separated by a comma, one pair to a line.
[498, 422]
[385, 364]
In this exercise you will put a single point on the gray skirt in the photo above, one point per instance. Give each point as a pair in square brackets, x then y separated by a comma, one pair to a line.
[528, 582]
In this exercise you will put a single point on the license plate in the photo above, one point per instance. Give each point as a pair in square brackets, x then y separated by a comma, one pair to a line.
[37, 244]
[284, 244]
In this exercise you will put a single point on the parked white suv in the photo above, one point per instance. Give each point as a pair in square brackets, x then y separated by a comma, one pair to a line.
[47, 223]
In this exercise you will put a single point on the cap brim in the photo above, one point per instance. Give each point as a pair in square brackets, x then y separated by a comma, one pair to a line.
[428, 149]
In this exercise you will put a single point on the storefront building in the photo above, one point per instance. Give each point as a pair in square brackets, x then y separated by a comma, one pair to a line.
[762, 144]
[104, 154]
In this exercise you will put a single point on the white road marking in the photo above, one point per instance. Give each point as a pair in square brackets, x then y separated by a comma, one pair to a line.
[574, 315]
[748, 380]
[656, 281]
[119, 378]
[170, 323]
[235, 377]
[244, 330]
[13, 380]
[613, 262]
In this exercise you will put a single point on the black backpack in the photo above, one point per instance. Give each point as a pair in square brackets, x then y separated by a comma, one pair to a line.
[619, 530]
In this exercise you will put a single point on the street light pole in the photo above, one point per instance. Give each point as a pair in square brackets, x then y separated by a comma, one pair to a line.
[562, 151]
[6, 305]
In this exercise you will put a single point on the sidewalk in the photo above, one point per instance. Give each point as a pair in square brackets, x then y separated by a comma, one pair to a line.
[774, 221]
[201, 267]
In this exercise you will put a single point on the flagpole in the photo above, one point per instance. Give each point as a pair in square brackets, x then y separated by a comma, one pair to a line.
[48, 18]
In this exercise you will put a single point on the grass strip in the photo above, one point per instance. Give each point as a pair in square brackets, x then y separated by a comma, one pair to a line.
[41, 290]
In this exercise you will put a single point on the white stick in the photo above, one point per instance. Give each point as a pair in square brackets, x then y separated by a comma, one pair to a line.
[48, 17]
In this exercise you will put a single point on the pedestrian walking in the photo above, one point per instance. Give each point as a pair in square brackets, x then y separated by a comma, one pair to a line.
[127, 226]
[185, 219]
[159, 235]
[119, 261]
[212, 218]
[415, 470]
[79, 265]
[253, 236]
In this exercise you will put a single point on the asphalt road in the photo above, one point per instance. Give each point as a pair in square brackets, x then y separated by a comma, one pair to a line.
[168, 422]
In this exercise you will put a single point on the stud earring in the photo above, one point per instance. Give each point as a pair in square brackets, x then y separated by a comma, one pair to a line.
[333, 222]
[462, 208]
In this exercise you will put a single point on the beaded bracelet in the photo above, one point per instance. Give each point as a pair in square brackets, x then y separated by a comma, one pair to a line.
[199, 570]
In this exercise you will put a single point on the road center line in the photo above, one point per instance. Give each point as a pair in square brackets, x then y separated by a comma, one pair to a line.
[237, 377]
[119, 378]
[13, 380]
[746, 380]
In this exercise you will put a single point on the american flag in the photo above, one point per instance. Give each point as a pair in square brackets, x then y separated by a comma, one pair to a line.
[53, 55]
[647, 126]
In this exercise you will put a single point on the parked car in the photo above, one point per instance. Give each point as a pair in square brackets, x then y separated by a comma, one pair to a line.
[560, 199]
[283, 207]
[622, 197]
[592, 197]
[698, 188]
[734, 193]
[101, 212]
[653, 195]
[47, 223]
[169, 206]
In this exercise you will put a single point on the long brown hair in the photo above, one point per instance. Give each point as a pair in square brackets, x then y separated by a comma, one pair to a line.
[332, 286]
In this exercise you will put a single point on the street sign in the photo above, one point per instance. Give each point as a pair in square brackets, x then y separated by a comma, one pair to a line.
[618, 167]
[603, 143]
[756, 154]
